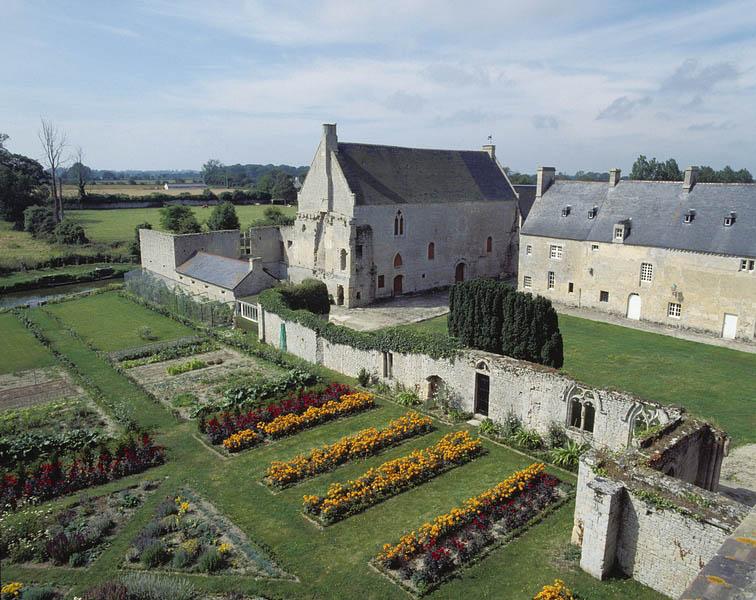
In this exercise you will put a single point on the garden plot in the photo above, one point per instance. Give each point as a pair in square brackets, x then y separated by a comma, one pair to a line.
[74, 536]
[188, 535]
[200, 386]
[35, 386]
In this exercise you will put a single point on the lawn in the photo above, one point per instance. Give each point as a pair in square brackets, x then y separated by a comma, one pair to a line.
[111, 322]
[21, 350]
[332, 562]
[715, 383]
[109, 226]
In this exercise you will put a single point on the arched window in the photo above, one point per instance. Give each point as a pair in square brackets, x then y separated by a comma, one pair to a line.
[431, 251]
[589, 414]
[489, 244]
[343, 259]
[397, 261]
[576, 410]
[399, 223]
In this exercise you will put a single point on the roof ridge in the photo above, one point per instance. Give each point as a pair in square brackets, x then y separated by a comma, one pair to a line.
[409, 147]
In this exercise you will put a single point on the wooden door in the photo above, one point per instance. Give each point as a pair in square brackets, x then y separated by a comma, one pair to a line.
[398, 280]
[459, 272]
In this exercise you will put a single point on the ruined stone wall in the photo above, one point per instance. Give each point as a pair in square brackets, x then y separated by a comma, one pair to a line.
[539, 396]
[641, 525]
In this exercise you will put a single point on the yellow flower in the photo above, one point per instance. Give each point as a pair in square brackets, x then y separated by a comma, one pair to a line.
[225, 548]
[12, 589]
[555, 591]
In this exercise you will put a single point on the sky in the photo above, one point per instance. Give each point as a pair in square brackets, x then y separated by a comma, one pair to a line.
[581, 85]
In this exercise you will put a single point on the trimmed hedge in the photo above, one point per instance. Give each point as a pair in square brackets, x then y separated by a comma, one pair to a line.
[393, 339]
[311, 295]
[492, 316]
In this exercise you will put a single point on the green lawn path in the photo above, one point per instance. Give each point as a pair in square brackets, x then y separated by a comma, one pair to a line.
[21, 351]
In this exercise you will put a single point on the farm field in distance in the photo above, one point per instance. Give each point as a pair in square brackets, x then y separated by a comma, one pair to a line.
[328, 563]
[715, 383]
[138, 189]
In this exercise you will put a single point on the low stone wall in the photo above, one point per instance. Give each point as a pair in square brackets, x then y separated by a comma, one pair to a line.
[656, 529]
[537, 395]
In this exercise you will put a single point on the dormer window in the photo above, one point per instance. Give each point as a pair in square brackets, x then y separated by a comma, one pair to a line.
[566, 211]
[593, 212]
[689, 216]
[620, 231]
[729, 220]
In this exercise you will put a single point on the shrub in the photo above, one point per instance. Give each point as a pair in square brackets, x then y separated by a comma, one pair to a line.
[557, 436]
[39, 593]
[223, 216]
[70, 233]
[181, 559]
[210, 561]
[406, 398]
[569, 455]
[154, 555]
[527, 438]
[489, 427]
[273, 216]
[39, 221]
[311, 295]
[148, 586]
[110, 590]
[146, 333]
[363, 377]
[165, 508]
[77, 560]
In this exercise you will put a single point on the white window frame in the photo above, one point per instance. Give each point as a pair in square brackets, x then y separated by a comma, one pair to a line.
[551, 280]
[555, 251]
[528, 250]
[674, 310]
[594, 247]
[527, 281]
[747, 264]
[619, 233]
[646, 272]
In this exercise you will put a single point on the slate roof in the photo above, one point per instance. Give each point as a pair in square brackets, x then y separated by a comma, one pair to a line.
[656, 212]
[393, 175]
[218, 270]
[527, 193]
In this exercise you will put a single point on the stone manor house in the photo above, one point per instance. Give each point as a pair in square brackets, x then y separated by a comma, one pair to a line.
[681, 254]
[380, 221]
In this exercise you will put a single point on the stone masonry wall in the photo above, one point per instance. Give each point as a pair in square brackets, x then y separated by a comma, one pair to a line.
[539, 396]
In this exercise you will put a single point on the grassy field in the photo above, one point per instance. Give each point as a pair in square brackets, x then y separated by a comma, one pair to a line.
[21, 350]
[111, 322]
[108, 226]
[140, 189]
[329, 563]
[712, 382]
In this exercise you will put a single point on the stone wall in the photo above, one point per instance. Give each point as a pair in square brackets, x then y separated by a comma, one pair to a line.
[654, 528]
[537, 395]
[707, 286]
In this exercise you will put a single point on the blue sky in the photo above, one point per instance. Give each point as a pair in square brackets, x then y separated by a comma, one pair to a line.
[578, 85]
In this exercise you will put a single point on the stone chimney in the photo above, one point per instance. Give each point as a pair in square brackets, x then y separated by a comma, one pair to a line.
[691, 177]
[490, 149]
[255, 263]
[614, 177]
[329, 137]
[546, 176]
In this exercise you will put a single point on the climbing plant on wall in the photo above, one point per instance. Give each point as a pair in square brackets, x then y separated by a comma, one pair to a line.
[492, 316]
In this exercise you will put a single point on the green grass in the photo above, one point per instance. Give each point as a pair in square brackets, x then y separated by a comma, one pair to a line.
[26, 279]
[21, 351]
[715, 383]
[333, 562]
[112, 322]
[109, 226]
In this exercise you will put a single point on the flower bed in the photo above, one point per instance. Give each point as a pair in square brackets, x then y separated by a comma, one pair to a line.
[222, 426]
[333, 409]
[555, 591]
[393, 477]
[424, 558]
[51, 479]
[15, 590]
[187, 534]
[74, 536]
[246, 438]
[362, 444]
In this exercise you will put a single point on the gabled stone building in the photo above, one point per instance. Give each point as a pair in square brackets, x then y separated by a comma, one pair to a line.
[380, 221]
[681, 254]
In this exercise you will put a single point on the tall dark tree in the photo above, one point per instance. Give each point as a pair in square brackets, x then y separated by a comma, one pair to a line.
[22, 184]
[214, 173]
[179, 219]
[135, 248]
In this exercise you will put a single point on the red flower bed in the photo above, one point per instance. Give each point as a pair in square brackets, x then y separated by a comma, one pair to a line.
[51, 479]
[224, 425]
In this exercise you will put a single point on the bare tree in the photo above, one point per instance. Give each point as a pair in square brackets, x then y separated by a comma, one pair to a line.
[53, 143]
[80, 179]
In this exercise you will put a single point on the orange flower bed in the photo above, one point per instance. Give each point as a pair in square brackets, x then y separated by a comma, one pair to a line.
[442, 525]
[241, 440]
[359, 445]
[393, 477]
[291, 423]
[555, 591]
